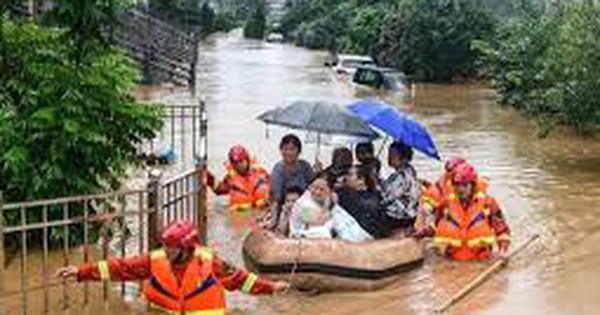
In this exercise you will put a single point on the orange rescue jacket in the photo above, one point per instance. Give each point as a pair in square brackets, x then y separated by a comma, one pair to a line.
[250, 191]
[199, 293]
[466, 230]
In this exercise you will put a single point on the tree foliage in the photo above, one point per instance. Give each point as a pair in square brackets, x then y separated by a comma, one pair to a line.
[66, 126]
[348, 26]
[430, 40]
[547, 64]
[256, 24]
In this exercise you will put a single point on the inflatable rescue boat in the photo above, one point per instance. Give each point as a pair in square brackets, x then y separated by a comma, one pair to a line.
[330, 264]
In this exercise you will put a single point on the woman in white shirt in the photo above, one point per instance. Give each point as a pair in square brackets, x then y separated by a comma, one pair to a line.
[311, 214]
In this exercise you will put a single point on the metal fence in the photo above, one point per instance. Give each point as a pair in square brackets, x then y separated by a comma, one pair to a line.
[166, 53]
[115, 224]
[183, 134]
[41, 236]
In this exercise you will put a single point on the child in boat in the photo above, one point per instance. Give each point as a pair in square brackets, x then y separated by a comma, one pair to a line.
[365, 155]
[292, 194]
[311, 214]
[341, 162]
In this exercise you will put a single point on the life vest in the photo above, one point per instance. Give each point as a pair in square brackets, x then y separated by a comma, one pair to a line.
[250, 191]
[433, 195]
[466, 232]
[199, 293]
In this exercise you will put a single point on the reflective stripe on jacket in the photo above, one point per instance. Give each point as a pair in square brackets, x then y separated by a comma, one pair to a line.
[250, 191]
[199, 292]
[468, 227]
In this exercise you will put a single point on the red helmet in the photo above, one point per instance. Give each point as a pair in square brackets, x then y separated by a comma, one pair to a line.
[180, 234]
[238, 153]
[464, 174]
[453, 163]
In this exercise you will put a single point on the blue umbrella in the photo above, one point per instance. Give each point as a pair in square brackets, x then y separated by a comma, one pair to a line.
[396, 124]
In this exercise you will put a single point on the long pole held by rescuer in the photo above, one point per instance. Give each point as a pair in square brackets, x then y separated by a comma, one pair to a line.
[482, 277]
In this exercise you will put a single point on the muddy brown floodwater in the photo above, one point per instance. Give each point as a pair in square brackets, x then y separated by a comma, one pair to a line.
[550, 187]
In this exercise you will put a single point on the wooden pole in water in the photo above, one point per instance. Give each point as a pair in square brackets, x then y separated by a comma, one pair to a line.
[482, 277]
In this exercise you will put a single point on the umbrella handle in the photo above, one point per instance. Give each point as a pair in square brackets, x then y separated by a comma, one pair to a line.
[385, 140]
[318, 147]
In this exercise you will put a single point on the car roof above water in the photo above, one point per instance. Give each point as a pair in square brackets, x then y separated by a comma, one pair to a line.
[355, 57]
[376, 68]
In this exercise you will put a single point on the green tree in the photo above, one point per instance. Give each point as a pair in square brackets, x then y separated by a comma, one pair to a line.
[430, 40]
[363, 31]
[207, 18]
[547, 63]
[256, 25]
[67, 126]
[89, 23]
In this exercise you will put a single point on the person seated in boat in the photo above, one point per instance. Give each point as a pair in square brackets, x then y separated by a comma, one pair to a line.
[291, 170]
[401, 190]
[468, 222]
[183, 277]
[311, 215]
[362, 216]
[365, 155]
[292, 194]
[246, 182]
[341, 162]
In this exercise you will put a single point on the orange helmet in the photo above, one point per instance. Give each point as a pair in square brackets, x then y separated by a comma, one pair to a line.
[464, 174]
[180, 234]
[238, 153]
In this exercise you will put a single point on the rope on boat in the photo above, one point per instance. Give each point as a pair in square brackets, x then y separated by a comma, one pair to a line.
[295, 266]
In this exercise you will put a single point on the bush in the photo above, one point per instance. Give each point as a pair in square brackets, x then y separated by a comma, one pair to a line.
[548, 65]
[430, 40]
[67, 126]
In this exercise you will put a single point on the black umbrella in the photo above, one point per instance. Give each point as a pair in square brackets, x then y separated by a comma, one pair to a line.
[319, 117]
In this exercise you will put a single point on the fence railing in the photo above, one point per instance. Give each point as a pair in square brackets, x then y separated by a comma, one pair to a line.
[184, 134]
[43, 228]
[123, 223]
[165, 53]
[44, 235]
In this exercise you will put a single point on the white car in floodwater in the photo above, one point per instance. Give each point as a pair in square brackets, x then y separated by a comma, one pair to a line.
[275, 38]
[346, 65]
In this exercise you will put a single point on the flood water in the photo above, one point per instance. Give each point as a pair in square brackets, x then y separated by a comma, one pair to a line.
[549, 187]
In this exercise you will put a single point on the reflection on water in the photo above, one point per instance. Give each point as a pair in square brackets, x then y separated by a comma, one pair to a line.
[550, 187]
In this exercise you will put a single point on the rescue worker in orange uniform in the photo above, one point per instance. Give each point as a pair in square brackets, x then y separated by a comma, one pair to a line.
[467, 222]
[432, 194]
[246, 182]
[180, 278]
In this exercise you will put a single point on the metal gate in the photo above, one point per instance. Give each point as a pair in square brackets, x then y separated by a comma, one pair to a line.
[47, 234]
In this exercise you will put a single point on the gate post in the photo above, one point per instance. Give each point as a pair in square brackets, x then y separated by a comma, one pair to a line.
[2, 310]
[201, 165]
[155, 217]
[201, 220]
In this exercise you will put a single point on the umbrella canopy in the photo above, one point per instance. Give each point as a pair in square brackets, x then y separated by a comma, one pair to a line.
[319, 117]
[395, 124]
